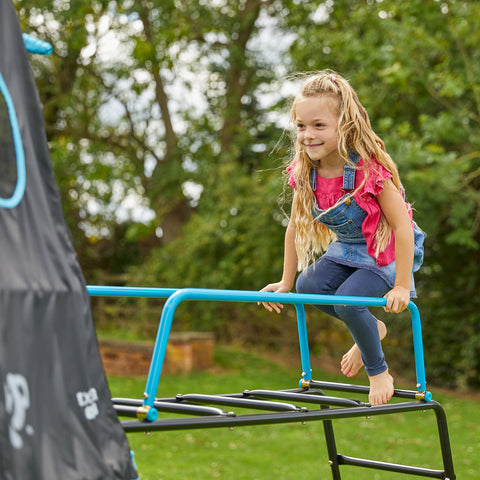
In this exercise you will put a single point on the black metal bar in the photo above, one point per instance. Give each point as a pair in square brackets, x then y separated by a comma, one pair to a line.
[345, 387]
[391, 467]
[127, 401]
[304, 397]
[274, 417]
[238, 402]
[170, 406]
[126, 410]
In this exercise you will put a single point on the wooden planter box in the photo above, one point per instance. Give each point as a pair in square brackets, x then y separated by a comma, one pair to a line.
[186, 352]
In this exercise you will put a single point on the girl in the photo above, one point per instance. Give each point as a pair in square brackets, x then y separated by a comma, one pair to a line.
[348, 203]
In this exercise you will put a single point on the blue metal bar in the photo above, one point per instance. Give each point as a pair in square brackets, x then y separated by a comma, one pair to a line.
[106, 291]
[176, 296]
[303, 341]
[418, 349]
[247, 296]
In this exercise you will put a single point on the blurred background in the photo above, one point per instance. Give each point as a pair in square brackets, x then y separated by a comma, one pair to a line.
[168, 126]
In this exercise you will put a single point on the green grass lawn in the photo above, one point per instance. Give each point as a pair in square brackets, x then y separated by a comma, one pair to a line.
[294, 451]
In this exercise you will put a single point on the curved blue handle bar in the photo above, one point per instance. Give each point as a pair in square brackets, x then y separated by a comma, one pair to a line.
[176, 296]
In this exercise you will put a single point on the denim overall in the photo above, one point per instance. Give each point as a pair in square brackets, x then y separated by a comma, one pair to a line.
[346, 269]
[345, 220]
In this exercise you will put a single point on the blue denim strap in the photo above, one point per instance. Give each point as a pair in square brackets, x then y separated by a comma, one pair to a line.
[348, 174]
[313, 178]
[348, 177]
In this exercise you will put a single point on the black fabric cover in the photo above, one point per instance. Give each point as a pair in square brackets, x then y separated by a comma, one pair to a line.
[56, 414]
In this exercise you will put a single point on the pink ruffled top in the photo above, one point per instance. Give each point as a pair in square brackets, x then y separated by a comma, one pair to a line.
[329, 191]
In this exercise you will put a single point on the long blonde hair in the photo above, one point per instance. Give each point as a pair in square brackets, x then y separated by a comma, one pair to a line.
[355, 134]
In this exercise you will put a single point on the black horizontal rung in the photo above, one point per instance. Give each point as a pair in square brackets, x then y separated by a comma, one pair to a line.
[126, 410]
[168, 405]
[238, 402]
[391, 467]
[346, 387]
[304, 397]
[127, 401]
[188, 409]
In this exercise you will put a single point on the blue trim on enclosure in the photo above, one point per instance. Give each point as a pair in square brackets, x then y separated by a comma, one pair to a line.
[176, 296]
[19, 191]
[132, 458]
[35, 45]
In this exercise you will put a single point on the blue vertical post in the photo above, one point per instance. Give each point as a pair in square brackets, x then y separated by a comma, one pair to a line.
[303, 341]
[159, 351]
[418, 347]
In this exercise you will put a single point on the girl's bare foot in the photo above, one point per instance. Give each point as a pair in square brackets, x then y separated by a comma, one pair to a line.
[381, 388]
[352, 361]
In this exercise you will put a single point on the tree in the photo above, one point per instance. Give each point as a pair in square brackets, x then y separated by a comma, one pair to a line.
[154, 101]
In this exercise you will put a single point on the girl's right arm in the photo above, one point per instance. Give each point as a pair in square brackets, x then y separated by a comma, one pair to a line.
[290, 262]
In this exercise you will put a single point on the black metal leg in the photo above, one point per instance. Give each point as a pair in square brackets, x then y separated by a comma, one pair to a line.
[331, 447]
[444, 442]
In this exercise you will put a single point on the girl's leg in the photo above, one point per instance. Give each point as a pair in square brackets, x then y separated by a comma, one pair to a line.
[364, 327]
[352, 361]
[323, 278]
[330, 278]
[366, 330]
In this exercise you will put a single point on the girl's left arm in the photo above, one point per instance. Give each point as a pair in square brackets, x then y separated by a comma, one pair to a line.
[395, 210]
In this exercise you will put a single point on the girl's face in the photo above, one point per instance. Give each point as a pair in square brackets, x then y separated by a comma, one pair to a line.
[316, 123]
